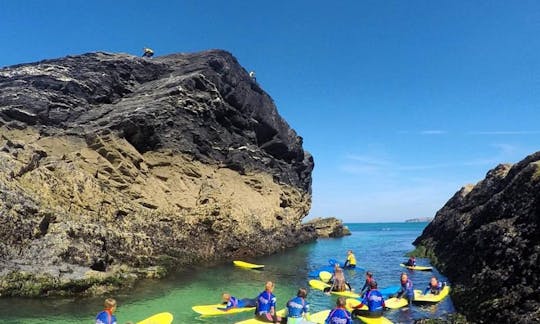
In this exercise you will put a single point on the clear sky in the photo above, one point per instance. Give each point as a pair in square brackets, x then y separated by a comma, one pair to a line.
[400, 102]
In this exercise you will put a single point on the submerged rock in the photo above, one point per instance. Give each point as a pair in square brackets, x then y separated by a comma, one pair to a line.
[329, 227]
[486, 239]
[116, 164]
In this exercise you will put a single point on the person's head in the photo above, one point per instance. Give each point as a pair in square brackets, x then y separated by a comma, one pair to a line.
[341, 302]
[349, 252]
[404, 277]
[302, 292]
[226, 297]
[369, 275]
[373, 284]
[110, 304]
[434, 281]
[269, 286]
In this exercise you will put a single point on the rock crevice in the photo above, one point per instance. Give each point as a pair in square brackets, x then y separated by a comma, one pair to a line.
[486, 239]
[111, 165]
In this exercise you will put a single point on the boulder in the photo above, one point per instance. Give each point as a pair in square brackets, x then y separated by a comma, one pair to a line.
[486, 240]
[112, 164]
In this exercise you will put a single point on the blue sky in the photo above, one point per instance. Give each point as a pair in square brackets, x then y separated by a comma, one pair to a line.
[400, 102]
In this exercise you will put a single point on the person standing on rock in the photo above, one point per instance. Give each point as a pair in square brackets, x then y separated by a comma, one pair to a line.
[351, 260]
[106, 316]
[266, 305]
[406, 290]
[148, 52]
[252, 76]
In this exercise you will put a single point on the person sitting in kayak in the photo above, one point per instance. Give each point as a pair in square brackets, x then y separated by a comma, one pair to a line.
[406, 290]
[411, 262]
[266, 305]
[351, 260]
[233, 302]
[434, 287]
[338, 281]
[374, 301]
[297, 307]
[339, 315]
[367, 284]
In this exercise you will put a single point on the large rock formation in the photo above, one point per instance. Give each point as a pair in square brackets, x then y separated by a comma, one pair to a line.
[329, 227]
[113, 166]
[486, 239]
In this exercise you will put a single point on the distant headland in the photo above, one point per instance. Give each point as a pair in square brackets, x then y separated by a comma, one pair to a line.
[419, 220]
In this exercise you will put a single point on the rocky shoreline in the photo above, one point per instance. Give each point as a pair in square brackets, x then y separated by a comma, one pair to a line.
[115, 168]
[486, 240]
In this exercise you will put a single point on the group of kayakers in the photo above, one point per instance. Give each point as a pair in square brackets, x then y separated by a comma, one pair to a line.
[298, 307]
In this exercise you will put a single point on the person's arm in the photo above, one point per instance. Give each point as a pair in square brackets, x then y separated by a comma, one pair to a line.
[228, 306]
[306, 309]
[365, 286]
[363, 302]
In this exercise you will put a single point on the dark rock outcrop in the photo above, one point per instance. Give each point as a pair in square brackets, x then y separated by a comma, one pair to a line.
[329, 227]
[112, 164]
[486, 239]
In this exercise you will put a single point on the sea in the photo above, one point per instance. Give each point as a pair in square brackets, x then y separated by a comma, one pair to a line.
[379, 247]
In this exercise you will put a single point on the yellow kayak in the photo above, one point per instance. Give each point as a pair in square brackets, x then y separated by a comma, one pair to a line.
[248, 265]
[161, 318]
[419, 297]
[281, 313]
[351, 302]
[395, 303]
[376, 320]
[419, 268]
[213, 310]
[325, 276]
[318, 317]
[317, 284]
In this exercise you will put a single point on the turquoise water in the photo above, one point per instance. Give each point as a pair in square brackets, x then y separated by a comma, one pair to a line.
[379, 247]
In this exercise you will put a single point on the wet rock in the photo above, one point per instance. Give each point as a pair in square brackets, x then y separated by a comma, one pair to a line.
[112, 164]
[486, 239]
[329, 227]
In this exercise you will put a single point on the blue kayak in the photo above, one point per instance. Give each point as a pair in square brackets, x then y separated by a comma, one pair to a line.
[387, 292]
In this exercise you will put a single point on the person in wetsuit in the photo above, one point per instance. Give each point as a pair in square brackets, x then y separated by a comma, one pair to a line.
[434, 287]
[351, 260]
[374, 301]
[367, 283]
[297, 307]
[266, 305]
[339, 315]
[106, 316]
[233, 302]
[406, 290]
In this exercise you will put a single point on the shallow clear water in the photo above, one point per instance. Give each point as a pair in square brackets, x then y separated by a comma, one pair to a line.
[379, 247]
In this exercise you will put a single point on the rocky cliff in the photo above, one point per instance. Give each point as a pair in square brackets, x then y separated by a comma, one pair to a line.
[114, 167]
[486, 239]
[329, 227]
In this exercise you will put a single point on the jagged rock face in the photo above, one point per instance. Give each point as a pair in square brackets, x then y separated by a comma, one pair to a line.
[114, 163]
[329, 227]
[486, 239]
